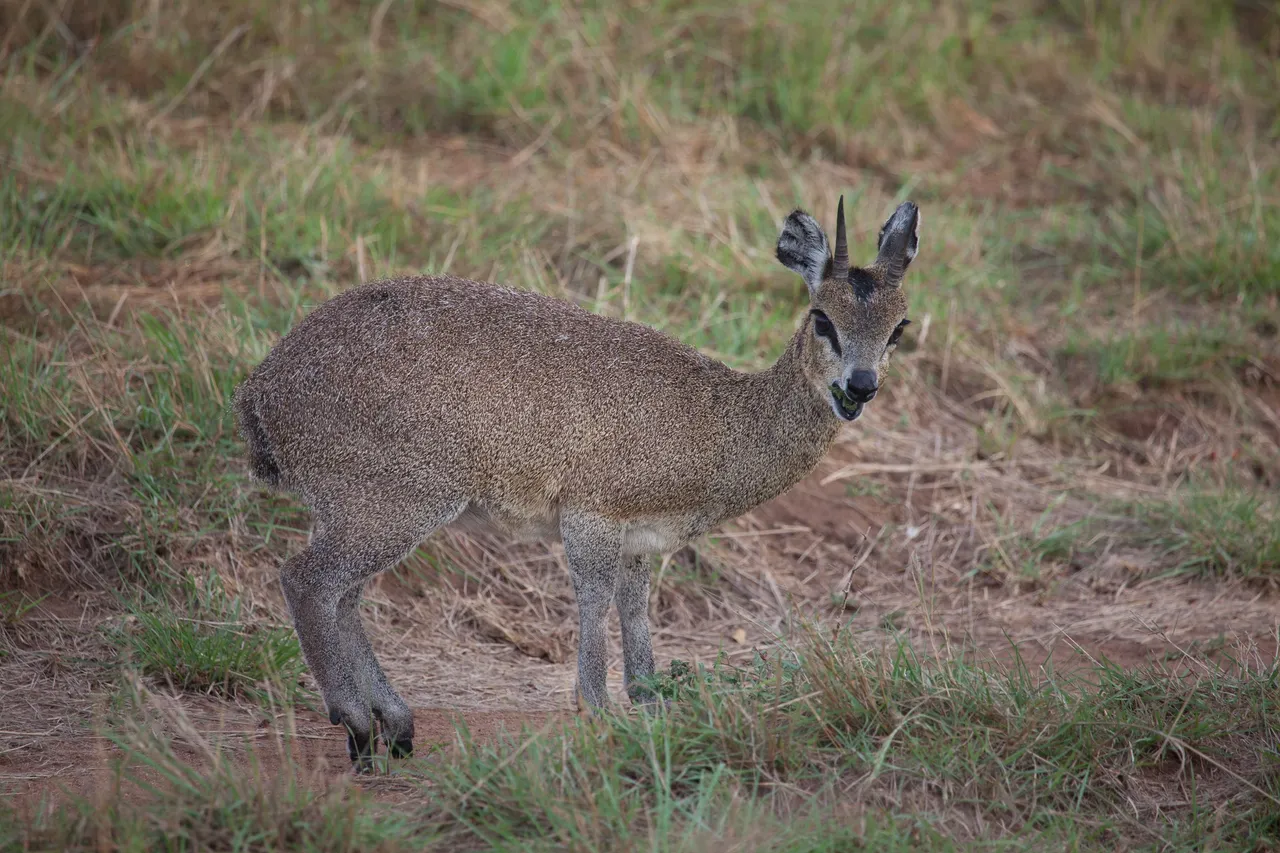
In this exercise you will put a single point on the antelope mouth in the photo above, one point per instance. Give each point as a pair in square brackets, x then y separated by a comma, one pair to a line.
[846, 408]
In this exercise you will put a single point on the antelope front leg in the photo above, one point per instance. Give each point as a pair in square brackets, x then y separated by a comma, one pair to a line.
[632, 599]
[593, 546]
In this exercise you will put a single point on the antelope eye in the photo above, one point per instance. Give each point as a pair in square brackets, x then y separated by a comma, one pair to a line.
[897, 333]
[823, 328]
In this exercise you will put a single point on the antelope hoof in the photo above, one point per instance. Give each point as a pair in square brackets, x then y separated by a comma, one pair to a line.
[360, 748]
[400, 748]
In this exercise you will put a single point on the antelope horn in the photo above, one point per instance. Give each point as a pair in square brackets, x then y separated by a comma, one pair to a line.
[840, 268]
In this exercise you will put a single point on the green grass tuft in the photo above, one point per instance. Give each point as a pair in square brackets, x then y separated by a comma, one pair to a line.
[1039, 756]
[1232, 532]
[210, 647]
[830, 747]
[1160, 357]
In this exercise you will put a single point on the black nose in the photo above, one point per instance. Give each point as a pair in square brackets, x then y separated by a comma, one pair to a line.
[861, 386]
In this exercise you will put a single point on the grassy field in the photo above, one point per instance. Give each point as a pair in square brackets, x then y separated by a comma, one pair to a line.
[1080, 440]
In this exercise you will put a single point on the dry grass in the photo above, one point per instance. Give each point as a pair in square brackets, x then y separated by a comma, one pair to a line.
[1087, 400]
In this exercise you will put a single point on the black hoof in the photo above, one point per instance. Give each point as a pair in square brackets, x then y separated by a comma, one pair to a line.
[402, 748]
[360, 748]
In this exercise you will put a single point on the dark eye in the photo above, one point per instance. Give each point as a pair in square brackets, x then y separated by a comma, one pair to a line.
[897, 333]
[823, 328]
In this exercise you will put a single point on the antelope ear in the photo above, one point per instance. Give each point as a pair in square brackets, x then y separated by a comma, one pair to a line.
[803, 249]
[898, 242]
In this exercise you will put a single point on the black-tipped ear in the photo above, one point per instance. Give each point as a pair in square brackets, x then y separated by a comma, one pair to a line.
[802, 248]
[898, 242]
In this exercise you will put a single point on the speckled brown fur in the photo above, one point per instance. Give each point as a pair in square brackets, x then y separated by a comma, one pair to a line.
[401, 406]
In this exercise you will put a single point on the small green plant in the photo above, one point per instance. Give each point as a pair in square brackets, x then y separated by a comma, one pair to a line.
[676, 680]
[683, 680]
[865, 487]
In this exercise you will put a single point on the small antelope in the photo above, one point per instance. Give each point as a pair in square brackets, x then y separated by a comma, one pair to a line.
[402, 406]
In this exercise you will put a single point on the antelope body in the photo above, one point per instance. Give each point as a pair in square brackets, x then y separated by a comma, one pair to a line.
[402, 406]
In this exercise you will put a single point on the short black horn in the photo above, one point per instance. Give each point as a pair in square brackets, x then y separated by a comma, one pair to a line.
[840, 268]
